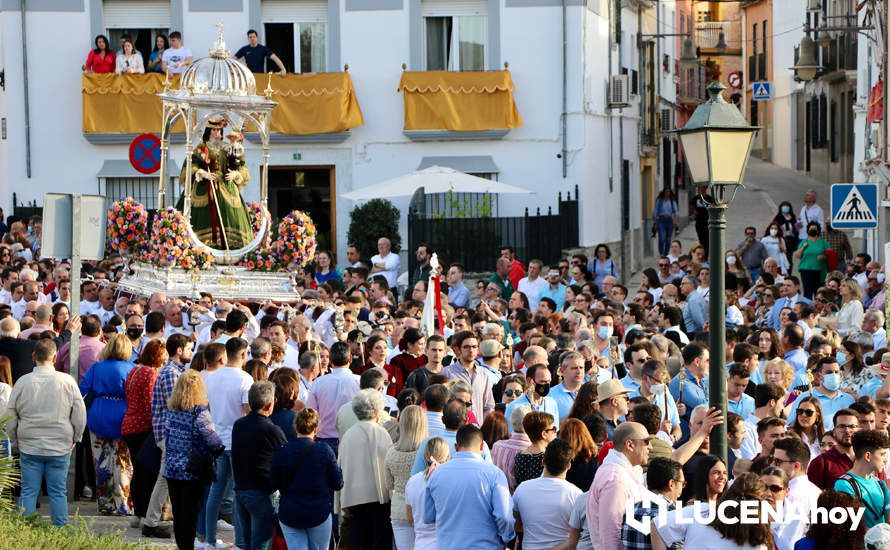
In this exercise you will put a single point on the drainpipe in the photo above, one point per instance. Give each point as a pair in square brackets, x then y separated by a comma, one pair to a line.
[25, 85]
[611, 119]
[565, 93]
[626, 261]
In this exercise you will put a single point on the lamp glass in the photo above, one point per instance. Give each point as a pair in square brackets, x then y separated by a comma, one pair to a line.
[729, 153]
[806, 73]
[695, 150]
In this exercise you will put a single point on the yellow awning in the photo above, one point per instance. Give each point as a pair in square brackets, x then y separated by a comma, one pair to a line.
[459, 101]
[307, 104]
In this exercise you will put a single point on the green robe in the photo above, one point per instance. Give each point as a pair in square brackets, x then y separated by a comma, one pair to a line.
[233, 216]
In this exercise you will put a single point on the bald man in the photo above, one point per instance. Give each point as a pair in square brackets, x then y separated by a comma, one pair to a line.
[42, 321]
[386, 262]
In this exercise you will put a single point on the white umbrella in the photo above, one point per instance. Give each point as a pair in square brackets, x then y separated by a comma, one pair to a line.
[435, 179]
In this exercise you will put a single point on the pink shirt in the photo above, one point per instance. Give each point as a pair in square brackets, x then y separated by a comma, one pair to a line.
[327, 394]
[615, 483]
[88, 354]
[504, 452]
[36, 329]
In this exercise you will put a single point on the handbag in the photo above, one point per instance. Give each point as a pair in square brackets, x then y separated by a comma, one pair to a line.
[199, 465]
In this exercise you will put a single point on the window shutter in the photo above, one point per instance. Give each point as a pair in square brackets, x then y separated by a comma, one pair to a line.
[444, 8]
[295, 11]
[136, 14]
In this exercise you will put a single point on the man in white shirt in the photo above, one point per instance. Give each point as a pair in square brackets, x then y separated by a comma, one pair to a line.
[386, 262]
[670, 319]
[278, 336]
[227, 390]
[8, 276]
[793, 456]
[106, 303]
[533, 285]
[768, 401]
[809, 212]
[873, 323]
[177, 57]
[90, 305]
[544, 505]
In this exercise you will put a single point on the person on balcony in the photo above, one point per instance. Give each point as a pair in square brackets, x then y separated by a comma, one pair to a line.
[130, 61]
[100, 59]
[254, 55]
[162, 44]
[176, 58]
[219, 217]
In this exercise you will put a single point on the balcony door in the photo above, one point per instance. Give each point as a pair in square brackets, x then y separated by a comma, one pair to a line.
[297, 33]
[454, 34]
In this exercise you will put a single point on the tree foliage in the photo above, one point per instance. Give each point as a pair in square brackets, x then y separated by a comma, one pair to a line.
[372, 220]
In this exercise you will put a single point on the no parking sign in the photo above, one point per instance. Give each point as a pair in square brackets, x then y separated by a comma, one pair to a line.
[145, 153]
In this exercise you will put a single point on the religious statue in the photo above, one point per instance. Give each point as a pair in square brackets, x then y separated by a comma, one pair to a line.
[219, 216]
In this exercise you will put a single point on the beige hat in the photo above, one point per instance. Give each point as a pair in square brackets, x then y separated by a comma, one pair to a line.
[882, 368]
[609, 389]
[490, 348]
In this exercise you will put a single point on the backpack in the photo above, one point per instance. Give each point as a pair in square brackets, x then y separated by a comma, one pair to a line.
[858, 493]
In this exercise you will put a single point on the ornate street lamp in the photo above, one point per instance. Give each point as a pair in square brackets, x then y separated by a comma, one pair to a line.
[806, 67]
[716, 144]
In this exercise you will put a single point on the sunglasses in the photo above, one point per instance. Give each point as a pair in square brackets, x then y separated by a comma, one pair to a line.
[550, 429]
[512, 393]
[775, 488]
[778, 461]
[806, 412]
[663, 265]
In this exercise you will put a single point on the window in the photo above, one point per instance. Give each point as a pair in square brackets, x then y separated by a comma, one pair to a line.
[754, 39]
[297, 32]
[454, 34]
[143, 20]
[144, 189]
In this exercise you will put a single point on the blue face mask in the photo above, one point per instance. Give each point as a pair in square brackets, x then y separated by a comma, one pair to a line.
[831, 381]
[786, 209]
[841, 357]
[604, 333]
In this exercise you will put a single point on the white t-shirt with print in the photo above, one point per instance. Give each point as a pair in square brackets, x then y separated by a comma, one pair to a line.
[178, 55]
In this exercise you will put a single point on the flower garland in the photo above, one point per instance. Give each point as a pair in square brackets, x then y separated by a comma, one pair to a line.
[127, 222]
[296, 243]
[256, 215]
[170, 245]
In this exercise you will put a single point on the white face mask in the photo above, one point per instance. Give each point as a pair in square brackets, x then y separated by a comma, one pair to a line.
[773, 231]
[657, 389]
[730, 260]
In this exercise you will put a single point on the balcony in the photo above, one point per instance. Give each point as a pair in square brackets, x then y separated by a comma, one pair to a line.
[319, 107]
[691, 86]
[466, 105]
[707, 35]
[839, 58]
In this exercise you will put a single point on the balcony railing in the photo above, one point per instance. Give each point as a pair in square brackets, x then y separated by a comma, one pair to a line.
[707, 34]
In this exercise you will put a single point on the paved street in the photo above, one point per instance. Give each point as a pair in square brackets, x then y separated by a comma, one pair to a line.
[766, 185]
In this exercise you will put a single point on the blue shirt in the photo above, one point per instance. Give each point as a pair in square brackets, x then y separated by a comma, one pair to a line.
[564, 400]
[830, 405]
[797, 358]
[630, 384]
[558, 295]
[695, 392]
[673, 415]
[305, 499]
[469, 501]
[695, 313]
[451, 439]
[781, 304]
[106, 381]
[874, 497]
[548, 405]
[743, 407]
[458, 295]
[188, 430]
[870, 388]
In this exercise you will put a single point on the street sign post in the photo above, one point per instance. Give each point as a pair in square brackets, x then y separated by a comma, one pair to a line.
[854, 205]
[145, 153]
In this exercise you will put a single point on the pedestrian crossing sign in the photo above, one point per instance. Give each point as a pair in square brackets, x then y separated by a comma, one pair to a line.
[761, 91]
[854, 205]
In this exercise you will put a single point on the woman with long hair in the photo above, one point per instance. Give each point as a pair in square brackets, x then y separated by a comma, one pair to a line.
[710, 479]
[157, 54]
[849, 318]
[494, 428]
[808, 424]
[190, 433]
[665, 217]
[585, 401]
[787, 222]
[413, 429]
[827, 535]
[584, 451]
[769, 345]
[100, 58]
[61, 316]
[103, 386]
[736, 268]
[854, 373]
[775, 481]
[649, 282]
[774, 241]
[601, 266]
[130, 61]
[725, 531]
[435, 452]
[136, 424]
[375, 356]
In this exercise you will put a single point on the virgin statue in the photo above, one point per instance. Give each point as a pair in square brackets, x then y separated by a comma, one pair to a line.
[219, 216]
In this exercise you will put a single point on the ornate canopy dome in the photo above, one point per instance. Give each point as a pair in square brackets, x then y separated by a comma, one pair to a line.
[218, 75]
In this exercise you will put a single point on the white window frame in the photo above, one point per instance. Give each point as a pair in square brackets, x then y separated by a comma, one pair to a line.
[455, 9]
[297, 13]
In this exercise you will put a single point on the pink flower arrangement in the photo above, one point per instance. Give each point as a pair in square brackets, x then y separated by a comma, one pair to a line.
[127, 222]
[257, 216]
[170, 244]
[261, 259]
[296, 243]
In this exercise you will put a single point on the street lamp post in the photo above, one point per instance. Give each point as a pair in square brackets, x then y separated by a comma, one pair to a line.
[716, 144]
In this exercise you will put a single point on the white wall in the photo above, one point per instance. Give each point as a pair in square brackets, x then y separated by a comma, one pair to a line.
[788, 18]
[374, 44]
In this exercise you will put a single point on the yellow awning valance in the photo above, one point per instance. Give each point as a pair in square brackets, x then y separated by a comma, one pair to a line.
[459, 101]
[320, 103]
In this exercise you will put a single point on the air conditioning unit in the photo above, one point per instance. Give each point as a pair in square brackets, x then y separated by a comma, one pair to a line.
[666, 120]
[619, 91]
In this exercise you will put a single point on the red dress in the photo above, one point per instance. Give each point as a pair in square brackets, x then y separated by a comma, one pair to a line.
[139, 386]
[405, 363]
[394, 377]
[99, 63]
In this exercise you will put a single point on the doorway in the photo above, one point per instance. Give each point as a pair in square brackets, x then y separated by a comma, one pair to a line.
[310, 189]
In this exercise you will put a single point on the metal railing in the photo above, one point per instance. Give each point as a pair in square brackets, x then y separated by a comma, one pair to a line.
[707, 34]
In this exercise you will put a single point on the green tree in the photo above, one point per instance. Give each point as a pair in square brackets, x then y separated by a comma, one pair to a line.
[372, 220]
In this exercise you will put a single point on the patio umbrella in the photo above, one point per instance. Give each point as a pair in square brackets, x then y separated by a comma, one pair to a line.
[435, 179]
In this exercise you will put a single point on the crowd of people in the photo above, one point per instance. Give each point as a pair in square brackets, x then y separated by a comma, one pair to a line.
[169, 56]
[547, 400]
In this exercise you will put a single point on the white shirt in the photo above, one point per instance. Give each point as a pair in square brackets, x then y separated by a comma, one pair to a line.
[545, 506]
[291, 357]
[5, 297]
[696, 535]
[676, 328]
[802, 494]
[880, 338]
[810, 214]
[750, 444]
[227, 389]
[177, 55]
[532, 290]
[578, 520]
[90, 308]
[424, 533]
[391, 267]
[105, 316]
[19, 308]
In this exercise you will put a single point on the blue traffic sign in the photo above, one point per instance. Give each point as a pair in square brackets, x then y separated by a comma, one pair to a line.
[854, 205]
[761, 91]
